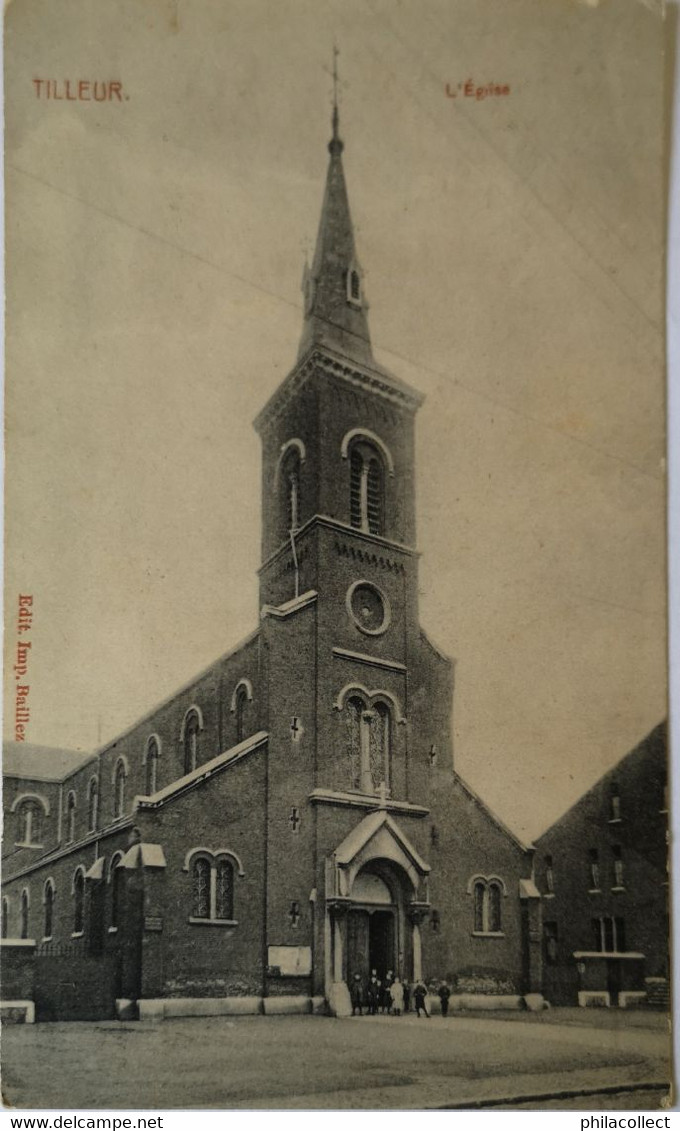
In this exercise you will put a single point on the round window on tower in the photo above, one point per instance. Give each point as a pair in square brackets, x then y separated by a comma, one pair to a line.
[368, 608]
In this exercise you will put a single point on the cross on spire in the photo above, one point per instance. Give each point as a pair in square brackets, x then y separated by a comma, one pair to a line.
[335, 145]
[336, 52]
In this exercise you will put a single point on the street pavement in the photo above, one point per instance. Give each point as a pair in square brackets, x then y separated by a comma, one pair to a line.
[378, 1062]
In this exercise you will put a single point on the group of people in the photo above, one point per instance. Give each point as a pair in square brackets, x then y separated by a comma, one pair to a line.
[391, 995]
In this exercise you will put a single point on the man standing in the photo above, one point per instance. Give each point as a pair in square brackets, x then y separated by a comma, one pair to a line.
[444, 995]
[419, 995]
[357, 994]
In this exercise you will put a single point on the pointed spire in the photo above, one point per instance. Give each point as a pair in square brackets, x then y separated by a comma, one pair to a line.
[335, 307]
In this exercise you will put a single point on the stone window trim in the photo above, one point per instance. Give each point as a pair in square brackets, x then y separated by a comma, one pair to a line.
[93, 803]
[352, 279]
[295, 444]
[80, 869]
[245, 684]
[152, 738]
[30, 797]
[387, 617]
[371, 438]
[114, 863]
[120, 759]
[192, 726]
[198, 922]
[49, 886]
[201, 850]
[487, 883]
[376, 696]
[24, 912]
[23, 806]
[212, 858]
[150, 764]
[194, 709]
[71, 808]
[78, 892]
[119, 778]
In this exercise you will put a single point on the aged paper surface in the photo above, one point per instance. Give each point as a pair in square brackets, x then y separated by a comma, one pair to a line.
[165, 173]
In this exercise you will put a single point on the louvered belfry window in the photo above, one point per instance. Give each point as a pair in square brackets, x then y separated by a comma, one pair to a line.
[367, 489]
[356, 468]
[374, 497]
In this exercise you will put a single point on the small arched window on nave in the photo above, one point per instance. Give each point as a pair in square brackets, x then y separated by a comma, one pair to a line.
[119, 781]
[152, 754]
[48, 909]
[78, 902]
[23, 919]
[192, 727]
[70, 817]
[240, 705]
[367, 488]
[92, 804]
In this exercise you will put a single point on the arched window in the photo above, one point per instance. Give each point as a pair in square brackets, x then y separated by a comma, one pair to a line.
[92, 804]
[5, 916]
[30, 815]
[367, 488]
[368, 744]
[115, 880]
[152, 754]
[70, 817]
[192, 726]
[23, 921]
[487, 900]
[480, 899]
[119, 780]
[48, 907]
[380, 745]
[212, 887]
[78, 902]
[241, 702]
[354, 286]
[224, 895]
[614, 803]
[201, 877]
[494, 908]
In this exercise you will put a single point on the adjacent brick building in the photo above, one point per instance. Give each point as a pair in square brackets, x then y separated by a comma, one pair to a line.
[292, 815]
[602, 872]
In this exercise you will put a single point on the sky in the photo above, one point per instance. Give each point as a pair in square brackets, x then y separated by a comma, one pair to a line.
[512, 249]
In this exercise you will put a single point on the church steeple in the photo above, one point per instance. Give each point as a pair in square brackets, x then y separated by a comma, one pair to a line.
[334, 304]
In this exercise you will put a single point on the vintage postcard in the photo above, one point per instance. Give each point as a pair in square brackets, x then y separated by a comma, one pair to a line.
[335, 609]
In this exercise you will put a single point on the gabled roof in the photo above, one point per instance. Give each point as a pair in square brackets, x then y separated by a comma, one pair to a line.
[359, 837]
[40, 763]
[492, 816]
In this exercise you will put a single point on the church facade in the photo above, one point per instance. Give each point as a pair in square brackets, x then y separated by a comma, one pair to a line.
[292, 816]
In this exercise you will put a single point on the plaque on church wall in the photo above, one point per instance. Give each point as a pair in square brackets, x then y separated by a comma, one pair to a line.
[335, 595]
[291, 960]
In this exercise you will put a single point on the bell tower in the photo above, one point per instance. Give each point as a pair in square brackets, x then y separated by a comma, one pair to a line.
[337, 434]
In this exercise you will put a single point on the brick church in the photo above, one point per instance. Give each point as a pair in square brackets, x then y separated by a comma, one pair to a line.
[292, 815]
